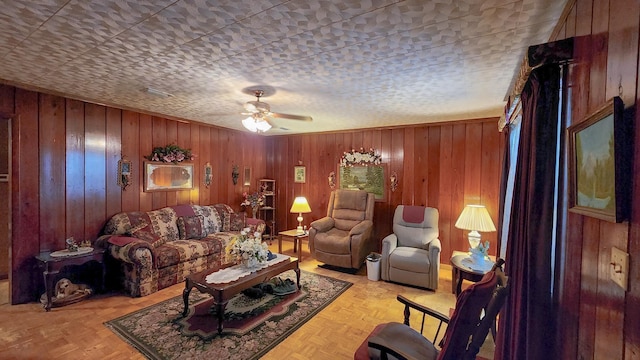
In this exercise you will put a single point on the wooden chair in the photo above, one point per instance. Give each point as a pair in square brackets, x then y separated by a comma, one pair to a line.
[466, 331]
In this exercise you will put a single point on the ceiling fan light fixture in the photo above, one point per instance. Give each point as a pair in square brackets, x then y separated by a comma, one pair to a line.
[250, 124]
[263, 126]
[256, 125]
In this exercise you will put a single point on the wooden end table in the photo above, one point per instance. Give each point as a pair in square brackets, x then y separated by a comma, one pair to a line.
[296, 237]
[51, 266]
[222, 293]
[460, 271]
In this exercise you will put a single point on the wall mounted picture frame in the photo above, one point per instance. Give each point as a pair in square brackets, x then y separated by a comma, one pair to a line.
[370, 178]
[299, 174]
[167, 176]
[124, 173]
[598, 165]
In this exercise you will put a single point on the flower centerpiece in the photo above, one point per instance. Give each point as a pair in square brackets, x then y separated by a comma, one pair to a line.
[360, 157]
[170, 154]
[248, 250]
[254, 200]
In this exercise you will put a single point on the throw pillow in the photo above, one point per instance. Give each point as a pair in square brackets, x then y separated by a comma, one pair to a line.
[191, 227]
[143, 231]
[236, 221]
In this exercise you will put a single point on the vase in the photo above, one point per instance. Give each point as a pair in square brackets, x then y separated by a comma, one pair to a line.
[254, 210]
[250, 263]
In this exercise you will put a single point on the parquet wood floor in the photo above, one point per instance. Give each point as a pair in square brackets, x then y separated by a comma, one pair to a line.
[76, 331]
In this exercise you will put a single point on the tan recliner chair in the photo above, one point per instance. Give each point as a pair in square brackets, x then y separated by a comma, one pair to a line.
[344, 237]
[411, 255]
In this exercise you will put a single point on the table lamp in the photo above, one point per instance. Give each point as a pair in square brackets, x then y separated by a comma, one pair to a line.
[300, 206]
[475, 218]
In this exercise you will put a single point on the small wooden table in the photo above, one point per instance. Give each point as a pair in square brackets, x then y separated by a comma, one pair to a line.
[296, 237]
[222, 293]
[51, 266]
[460, 271]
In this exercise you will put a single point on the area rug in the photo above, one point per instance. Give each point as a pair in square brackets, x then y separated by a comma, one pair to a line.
[252, 327]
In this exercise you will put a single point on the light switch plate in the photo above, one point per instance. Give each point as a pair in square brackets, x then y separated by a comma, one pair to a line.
[619, 267]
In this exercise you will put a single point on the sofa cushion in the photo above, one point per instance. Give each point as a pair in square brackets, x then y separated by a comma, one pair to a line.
[122, 223]
[255, 225]
[191, 227]
[164, 223]
[179, 251]
[237, 221]
[224, 210]
[212, 220]
[146, 233]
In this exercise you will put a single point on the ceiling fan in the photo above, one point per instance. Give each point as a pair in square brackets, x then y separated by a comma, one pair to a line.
[260, 112]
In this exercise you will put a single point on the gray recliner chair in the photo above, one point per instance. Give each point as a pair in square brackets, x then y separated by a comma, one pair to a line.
[344, 237]
[411, 255]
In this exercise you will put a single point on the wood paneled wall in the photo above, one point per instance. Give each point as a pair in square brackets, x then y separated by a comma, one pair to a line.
[445, 166]
[65, 155]
[598, 320]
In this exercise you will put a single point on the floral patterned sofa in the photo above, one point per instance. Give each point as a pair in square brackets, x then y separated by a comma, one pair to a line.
[159, 248]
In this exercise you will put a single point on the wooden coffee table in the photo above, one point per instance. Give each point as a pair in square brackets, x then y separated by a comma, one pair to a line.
[222, 293]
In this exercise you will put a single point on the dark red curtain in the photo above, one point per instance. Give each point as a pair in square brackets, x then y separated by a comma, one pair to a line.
[526, 328]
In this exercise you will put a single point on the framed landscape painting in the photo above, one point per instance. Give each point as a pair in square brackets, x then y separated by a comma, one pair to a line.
[369, 178]
[598, 164]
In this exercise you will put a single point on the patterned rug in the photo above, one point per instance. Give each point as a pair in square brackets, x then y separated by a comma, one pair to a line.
[252, 327]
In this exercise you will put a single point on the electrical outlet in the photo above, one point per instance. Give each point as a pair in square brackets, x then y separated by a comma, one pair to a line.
[619, 267]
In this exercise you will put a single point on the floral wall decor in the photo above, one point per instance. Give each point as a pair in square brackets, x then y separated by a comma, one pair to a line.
[332, 179]
[234, 174]
[361, 158]
[170, 154]
[394, 181]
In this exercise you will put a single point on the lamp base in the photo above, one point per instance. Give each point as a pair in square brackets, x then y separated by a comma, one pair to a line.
[299, 229]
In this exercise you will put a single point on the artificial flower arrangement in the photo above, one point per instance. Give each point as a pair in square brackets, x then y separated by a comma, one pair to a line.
[253, 199]
[360, 157]
[170, 154]
[248, 249]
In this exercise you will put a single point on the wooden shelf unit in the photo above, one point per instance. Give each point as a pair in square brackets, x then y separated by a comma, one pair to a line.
[268, 211]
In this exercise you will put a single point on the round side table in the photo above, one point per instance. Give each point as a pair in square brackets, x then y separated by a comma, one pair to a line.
[461, 271]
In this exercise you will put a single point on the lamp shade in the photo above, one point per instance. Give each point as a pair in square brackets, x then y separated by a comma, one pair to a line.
[475, 217]
[300, 205]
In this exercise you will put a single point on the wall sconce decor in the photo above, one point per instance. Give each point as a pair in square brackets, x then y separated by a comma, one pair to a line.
[124, 173]
[247, 176]
[332, 179]
[235, 174]
[208, 174]
[394, 181]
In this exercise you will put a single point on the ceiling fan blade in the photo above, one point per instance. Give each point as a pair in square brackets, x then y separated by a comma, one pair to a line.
[292, 117]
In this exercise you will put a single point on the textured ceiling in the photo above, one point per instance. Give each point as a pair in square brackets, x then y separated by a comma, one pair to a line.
[348, 64]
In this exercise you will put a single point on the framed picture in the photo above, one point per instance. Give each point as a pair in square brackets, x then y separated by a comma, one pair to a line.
[167, 176]
[370, 178]
[299, 174]
[598, 164]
